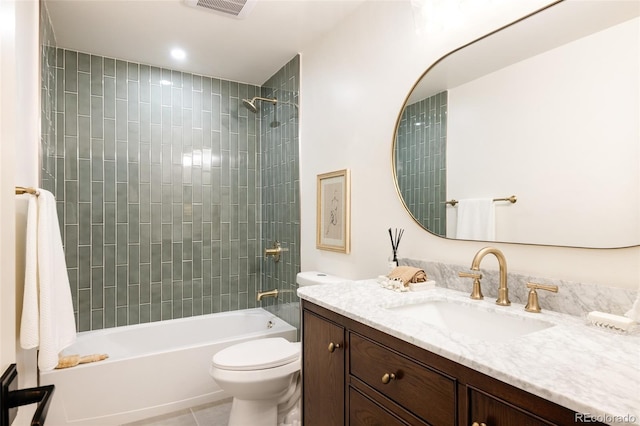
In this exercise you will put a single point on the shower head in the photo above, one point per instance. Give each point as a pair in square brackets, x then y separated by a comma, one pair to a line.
[251, 104]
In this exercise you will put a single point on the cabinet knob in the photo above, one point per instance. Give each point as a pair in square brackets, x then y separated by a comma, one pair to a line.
[387, 377]
[333, 346]
[478, 424]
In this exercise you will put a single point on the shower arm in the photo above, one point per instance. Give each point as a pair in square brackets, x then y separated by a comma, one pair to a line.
[259, 98]
[273, 101]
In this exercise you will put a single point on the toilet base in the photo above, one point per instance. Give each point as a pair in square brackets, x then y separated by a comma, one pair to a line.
[265, 413]
[255, 413]
[290, 407]
[292, 416]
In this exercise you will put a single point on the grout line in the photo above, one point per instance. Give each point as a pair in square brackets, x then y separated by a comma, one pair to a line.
[195, 418]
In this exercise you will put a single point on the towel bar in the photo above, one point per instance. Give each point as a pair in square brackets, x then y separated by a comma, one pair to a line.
[511, 199]
[12, 398]
[25, 190]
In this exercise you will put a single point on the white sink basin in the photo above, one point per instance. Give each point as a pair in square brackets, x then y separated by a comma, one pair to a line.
[478, 322]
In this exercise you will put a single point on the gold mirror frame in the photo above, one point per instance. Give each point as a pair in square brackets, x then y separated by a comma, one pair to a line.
[405, 104]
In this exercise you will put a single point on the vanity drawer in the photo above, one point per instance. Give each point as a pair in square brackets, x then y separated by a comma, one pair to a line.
[365, 412]
[485, 409]
[424, 392]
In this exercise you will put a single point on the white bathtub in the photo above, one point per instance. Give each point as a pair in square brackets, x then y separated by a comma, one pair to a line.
[153, 368]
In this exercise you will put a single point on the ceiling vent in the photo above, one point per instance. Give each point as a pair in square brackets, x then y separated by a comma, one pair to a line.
[236, 8]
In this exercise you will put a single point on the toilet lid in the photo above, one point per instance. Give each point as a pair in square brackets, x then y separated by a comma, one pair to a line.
[257, 354]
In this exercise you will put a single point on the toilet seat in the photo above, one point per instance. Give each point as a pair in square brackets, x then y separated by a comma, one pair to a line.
[257, 355]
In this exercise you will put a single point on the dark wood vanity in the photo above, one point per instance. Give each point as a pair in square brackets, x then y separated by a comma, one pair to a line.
[356, 375]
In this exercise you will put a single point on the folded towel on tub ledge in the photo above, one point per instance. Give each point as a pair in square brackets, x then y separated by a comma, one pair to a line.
[47, 321]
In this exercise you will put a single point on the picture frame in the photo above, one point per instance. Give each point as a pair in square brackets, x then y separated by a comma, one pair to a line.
[333, 227]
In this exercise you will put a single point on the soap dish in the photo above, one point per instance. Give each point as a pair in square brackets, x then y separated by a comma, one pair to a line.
[426, 285]
[611, 322]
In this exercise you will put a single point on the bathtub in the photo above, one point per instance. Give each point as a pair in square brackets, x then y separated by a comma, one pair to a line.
[153, 368]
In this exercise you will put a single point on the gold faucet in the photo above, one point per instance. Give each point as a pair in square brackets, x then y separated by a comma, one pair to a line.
[503, 290]
[268, 293]
[533, 305]
[476, 293]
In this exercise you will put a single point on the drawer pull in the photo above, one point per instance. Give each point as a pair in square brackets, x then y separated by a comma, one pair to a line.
[333, 346]
[387, 377]
[478, 424]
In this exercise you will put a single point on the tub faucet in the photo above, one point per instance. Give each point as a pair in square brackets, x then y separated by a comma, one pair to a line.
[269, 293]
[503, 290]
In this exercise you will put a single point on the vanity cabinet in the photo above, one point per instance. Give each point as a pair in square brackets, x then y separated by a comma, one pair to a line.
[323, 361]
[356, 375]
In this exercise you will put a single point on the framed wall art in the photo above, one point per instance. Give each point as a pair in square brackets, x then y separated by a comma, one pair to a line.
[334, 212]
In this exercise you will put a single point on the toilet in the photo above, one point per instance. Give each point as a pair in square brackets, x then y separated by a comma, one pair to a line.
[263, 375]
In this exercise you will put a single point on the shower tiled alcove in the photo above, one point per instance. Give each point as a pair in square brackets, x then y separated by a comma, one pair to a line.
[168, 189]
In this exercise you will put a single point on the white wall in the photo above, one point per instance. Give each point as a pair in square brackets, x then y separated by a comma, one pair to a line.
[7, 135]
[19, 142]
[27, 165]
[567, 148]
[353, 85]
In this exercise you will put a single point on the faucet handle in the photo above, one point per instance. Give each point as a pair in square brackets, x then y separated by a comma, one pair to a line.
[275, 251]
[532, 302]
[476, 292]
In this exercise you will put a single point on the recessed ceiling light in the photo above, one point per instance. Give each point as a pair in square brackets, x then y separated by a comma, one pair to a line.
[178, 54]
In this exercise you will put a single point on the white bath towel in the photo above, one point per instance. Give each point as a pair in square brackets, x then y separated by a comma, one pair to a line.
[29, 327]
[476, 219]
[47, 321]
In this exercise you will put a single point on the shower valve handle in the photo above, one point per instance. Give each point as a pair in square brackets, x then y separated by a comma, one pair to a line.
[275, 251]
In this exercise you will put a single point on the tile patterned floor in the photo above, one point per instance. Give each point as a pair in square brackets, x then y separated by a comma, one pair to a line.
[215, 414]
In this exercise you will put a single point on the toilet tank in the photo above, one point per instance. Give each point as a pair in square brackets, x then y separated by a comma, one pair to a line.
[315, 278]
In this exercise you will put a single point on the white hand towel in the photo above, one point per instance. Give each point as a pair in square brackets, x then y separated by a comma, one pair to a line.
[54, 317]
[476, 219]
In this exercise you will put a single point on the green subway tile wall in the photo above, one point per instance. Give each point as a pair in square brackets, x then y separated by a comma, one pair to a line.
[48, 79]
[421, 161]
[159, 190]
[280, 188]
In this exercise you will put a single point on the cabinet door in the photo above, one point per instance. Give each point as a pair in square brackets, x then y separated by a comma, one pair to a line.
[490, 411]
[323, 359]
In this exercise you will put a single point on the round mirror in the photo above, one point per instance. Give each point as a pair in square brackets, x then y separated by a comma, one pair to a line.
[547, 110]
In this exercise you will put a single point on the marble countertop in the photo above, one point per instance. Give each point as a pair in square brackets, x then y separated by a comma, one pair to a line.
[585, 368]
